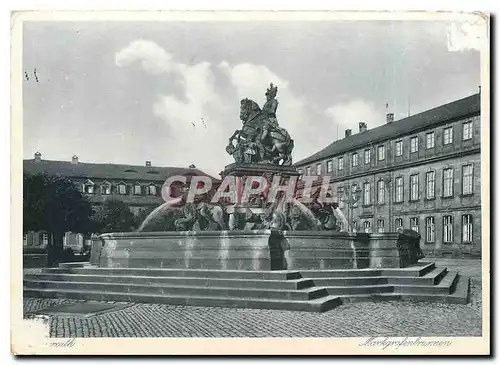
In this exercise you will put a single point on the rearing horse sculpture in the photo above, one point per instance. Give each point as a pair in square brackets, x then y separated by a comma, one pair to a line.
[260, 139]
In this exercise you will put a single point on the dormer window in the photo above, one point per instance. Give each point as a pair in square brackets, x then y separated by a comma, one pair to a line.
[152, 189]
[106, 188]
[88, 187]
[122, 188]
[137, 189]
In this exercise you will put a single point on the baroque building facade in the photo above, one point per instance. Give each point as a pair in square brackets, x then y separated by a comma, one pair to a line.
[422, 172]
[138, 186]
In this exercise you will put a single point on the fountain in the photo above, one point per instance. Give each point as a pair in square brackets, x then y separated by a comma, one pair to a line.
[252, 242]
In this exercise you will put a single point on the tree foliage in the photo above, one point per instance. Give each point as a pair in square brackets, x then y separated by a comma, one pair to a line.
[114, 216]
[54, 204]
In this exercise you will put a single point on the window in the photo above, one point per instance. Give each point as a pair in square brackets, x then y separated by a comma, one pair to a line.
[399, 148]
[354, 159]
[354, 194]
[414, 224]
[367, 226]
[467, 228]
[341, 163]
[106, 189]
[381, 191]
[430, 182]
[340, 193]
[467, 179]
[399, 189]
[308, 171]
[137, 189]
[429, 140]
[467, 130]
[88, 187]
[329, 166]
[152, 190]
[414, 187]
[380, 225]
[430, 230]
[318, 169]
[25, 239]
[447, 182]
[122, 189]
[448, 135]
[447, 229]
[367, 199]
[413, 144]
[381, 153]
[45, 239]
[368, 156]
[399, 223]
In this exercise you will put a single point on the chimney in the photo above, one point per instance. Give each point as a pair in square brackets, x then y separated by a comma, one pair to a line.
[362, 127]
[192, 166]
[74, 159]
[348, 133]
[148, 163]
[38, 156]
[390, 117]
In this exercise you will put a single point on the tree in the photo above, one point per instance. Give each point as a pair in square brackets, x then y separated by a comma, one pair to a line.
[114, 216]
[54, 204]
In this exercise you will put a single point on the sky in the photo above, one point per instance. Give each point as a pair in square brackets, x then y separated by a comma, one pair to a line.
[127, 92]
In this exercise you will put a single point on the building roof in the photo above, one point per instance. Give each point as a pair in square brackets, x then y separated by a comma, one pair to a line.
[107, 171]
[447, 112]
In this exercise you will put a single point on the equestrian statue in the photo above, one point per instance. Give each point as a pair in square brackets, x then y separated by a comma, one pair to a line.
[261, 140]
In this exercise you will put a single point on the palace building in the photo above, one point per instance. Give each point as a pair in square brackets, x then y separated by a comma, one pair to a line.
[138, 186]
[422, 172]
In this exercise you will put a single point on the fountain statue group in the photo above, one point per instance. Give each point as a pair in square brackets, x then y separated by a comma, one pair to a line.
[259, 142]
[201, 215]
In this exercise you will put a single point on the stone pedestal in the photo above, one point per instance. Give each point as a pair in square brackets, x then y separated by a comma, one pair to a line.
[238, 212]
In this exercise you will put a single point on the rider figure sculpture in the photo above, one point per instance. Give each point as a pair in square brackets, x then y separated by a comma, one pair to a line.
[269, 111]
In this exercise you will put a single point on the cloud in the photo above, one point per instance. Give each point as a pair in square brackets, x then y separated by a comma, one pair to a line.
[463, 36]
[153, 58]
[191, 141]
[296, 114]
[348, 115]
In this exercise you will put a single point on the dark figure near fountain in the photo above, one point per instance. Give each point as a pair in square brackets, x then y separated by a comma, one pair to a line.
[261, 140]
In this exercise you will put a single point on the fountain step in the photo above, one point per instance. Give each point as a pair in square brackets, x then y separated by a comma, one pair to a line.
[314, 305]
[235, 288]
[430, 278]
[460, 295]
[290, 284]
[446, 285]
[157, 289]
[418, 270]
[191, 273]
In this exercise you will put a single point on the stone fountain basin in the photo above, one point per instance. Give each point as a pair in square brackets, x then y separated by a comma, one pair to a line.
[260, 250]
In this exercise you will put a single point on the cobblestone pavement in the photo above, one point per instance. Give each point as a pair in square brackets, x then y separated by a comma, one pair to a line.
[395, 318]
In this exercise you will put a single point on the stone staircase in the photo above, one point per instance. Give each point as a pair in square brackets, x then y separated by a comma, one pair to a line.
[303, 290]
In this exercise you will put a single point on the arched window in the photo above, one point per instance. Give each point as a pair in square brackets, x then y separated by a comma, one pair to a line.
[106, 188]
[467, 225]
[137, 189]
[367, 226]
[88, 187]
[122, 188]
[151, 189]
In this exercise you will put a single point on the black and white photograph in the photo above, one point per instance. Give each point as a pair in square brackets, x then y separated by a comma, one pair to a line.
[216, 175]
